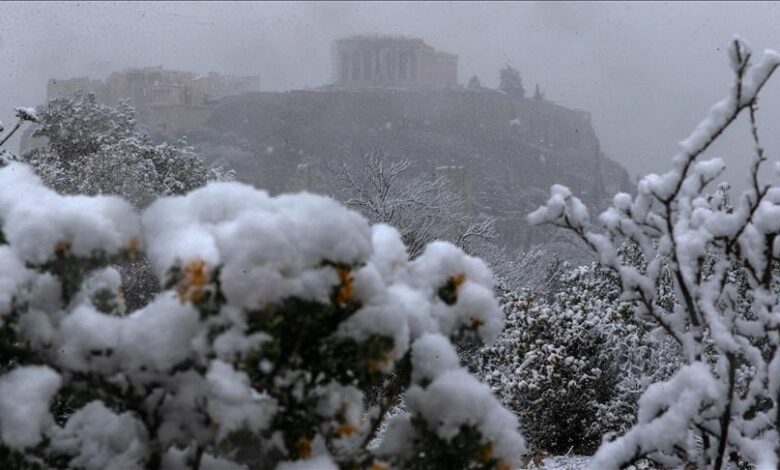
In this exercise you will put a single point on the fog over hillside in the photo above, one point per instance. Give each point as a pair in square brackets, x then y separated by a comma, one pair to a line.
[389, 235]
[610, 59]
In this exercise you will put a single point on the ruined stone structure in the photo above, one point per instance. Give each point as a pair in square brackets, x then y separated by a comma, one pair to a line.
[166, 100]
[156, 86]
[386, 61]
[66, 88]
[457, 180]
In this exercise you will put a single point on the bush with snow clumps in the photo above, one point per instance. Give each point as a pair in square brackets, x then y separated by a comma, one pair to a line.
[572, 366]
[278, 315]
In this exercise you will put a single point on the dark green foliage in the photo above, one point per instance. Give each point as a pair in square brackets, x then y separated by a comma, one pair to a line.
[511, 83]
[300, 354]
[13, 351]
[245, 446]
[448, 293]
[13, 460]
[303, 353]
[466, 451]
[71, 270]
[558, 361]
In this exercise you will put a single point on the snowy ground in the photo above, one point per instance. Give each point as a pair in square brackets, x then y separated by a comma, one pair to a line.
[563, 463]
[570, 462]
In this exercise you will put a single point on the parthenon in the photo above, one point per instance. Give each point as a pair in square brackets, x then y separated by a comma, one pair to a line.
[390, 61]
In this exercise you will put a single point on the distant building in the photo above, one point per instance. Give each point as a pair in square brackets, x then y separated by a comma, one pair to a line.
[156, 86]
[168, 100]
[56, 88]
[389, 61]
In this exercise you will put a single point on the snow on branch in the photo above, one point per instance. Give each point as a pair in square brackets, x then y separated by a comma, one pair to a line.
[725, 271]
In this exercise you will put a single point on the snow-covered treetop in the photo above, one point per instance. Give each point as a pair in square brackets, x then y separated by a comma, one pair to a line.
[96, 149]
[80, 126]
[27, 114]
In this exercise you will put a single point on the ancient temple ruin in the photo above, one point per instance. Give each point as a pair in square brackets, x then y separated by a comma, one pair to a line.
[156, 86]
[390, 61]
[167, 100]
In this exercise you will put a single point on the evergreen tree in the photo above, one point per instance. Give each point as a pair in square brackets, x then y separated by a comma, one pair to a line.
[573, 366]
[510, 82]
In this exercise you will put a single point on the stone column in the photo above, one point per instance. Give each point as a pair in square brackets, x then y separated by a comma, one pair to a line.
[354, 62]
[413, 66]
[344, 66]
[391, 64]
[381, 65]
[377, 66]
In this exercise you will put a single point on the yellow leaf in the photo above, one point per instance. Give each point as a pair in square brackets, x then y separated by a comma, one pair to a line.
[487, 452]
[346, 430]
[345, 292]
[191, 287]
[304, 448]
[62, 247]
[458, 279]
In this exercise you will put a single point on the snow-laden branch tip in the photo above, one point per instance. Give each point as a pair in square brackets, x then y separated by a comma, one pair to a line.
[27, 114]
[723, 264]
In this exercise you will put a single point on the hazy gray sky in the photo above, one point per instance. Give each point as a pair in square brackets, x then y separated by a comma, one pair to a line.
[646, 71]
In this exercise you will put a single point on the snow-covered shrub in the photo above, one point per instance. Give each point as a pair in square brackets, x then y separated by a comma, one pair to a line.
[278, 315]
[95, 149]
[552, 368]
[724, 404]
[571, 366]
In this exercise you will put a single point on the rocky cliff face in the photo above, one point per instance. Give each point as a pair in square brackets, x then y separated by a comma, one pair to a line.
[513, 149]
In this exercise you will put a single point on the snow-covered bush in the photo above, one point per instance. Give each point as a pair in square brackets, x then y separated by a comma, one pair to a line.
[723, 404]
[572, 366]
[95, 149]
[278, 315]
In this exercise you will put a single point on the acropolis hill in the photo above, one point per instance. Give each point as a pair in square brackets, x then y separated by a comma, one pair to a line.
[390, 92]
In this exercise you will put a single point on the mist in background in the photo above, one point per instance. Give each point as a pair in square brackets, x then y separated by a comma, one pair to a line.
[647, 72]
